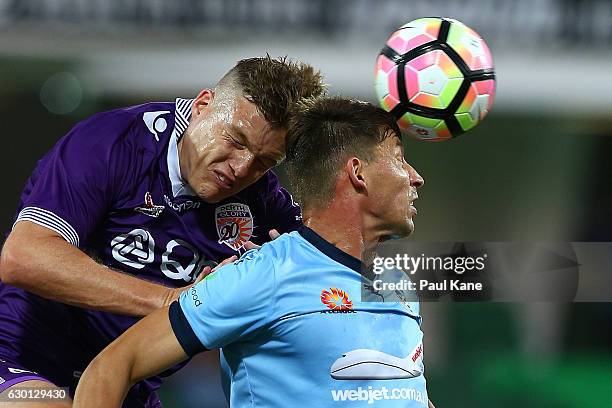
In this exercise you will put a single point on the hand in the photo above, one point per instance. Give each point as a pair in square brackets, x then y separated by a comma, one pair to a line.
[273, 235]
[174, 293]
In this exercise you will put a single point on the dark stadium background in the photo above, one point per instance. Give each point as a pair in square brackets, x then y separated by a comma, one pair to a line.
[537, 169]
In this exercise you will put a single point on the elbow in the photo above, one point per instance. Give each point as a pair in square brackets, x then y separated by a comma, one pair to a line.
[91, 384]
[104, 382]
[13, 270]
[95, 368]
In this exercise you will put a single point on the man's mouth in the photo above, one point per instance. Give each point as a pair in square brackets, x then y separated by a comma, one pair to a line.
[412, 207]
[222, 180]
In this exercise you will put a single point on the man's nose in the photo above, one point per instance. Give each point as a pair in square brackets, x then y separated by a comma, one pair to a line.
[415, 178]
[242, 164]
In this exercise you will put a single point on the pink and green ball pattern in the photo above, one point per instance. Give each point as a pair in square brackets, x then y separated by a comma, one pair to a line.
[476, 104]
[434, 130]
[385, 83]
[433, 79]
[414, 34]
[470, 46]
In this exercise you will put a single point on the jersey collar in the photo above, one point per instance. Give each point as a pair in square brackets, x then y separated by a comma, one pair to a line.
[329, 249]
[181, 121]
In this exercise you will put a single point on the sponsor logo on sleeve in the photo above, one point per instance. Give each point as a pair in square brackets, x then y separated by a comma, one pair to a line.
[234, 224]
[194, 296]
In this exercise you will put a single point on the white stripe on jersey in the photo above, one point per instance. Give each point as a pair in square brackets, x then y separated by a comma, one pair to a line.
[48, 219]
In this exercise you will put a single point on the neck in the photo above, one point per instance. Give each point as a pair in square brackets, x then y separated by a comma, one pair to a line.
[182, 158]
[345, 225]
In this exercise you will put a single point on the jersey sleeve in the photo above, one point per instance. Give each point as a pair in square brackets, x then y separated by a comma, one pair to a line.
[282, 213]
[227, 306]
[74, 183]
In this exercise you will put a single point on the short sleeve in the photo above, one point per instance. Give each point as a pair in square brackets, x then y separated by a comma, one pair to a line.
[72, 185]
[282, 213]
[227, 306]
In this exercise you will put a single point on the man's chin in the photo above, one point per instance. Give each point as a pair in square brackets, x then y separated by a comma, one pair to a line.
[212, 195]
[401, 231]
[406, 229]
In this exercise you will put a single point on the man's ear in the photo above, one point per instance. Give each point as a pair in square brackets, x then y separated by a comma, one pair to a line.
[202, 101]
[355, 170]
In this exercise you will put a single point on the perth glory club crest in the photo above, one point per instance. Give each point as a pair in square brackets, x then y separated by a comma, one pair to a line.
[234, 224]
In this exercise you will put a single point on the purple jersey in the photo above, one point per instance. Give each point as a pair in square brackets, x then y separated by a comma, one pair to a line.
[112, 187]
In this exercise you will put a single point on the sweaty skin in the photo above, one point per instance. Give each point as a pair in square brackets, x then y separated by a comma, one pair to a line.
[228, 145]
[388, 213]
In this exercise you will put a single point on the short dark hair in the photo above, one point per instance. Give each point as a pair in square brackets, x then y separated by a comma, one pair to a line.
[274, 85]
[324, 133]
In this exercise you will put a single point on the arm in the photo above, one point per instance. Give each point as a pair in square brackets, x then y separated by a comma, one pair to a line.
[133, 356]
[39, 260]
[72, 190]
[208, 316]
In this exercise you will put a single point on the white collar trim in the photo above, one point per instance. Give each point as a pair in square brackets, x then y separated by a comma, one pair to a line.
[181, 121]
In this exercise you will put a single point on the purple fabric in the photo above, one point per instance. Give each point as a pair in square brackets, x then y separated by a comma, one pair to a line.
[106, 187]
[10, 377]
[21, 378]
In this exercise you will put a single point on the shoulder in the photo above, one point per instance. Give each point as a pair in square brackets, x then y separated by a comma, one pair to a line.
[263, 264]
[116, 144]
[121, 133]
[277, 254]
[144, 124]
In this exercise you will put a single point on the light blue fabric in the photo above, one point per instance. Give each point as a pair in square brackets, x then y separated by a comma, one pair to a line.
[282, 345]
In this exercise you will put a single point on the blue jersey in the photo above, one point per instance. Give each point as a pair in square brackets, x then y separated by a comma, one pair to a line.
[294, 332]
[112, 187]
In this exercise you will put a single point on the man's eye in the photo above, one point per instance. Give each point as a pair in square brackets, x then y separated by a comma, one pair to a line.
[236, 141]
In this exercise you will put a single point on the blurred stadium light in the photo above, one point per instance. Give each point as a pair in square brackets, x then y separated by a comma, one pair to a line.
[550, 55]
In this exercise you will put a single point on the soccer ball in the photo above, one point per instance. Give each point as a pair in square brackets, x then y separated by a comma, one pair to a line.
[436, 76]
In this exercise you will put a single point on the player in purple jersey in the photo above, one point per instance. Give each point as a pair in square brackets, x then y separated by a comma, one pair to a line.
[130, 206]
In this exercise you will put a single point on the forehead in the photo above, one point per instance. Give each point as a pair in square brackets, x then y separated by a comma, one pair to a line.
[246, 113]
[251, 123]
[390, 144]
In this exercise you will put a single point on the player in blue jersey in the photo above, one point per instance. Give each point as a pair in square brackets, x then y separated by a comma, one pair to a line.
[289, 318]
[130, 206]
